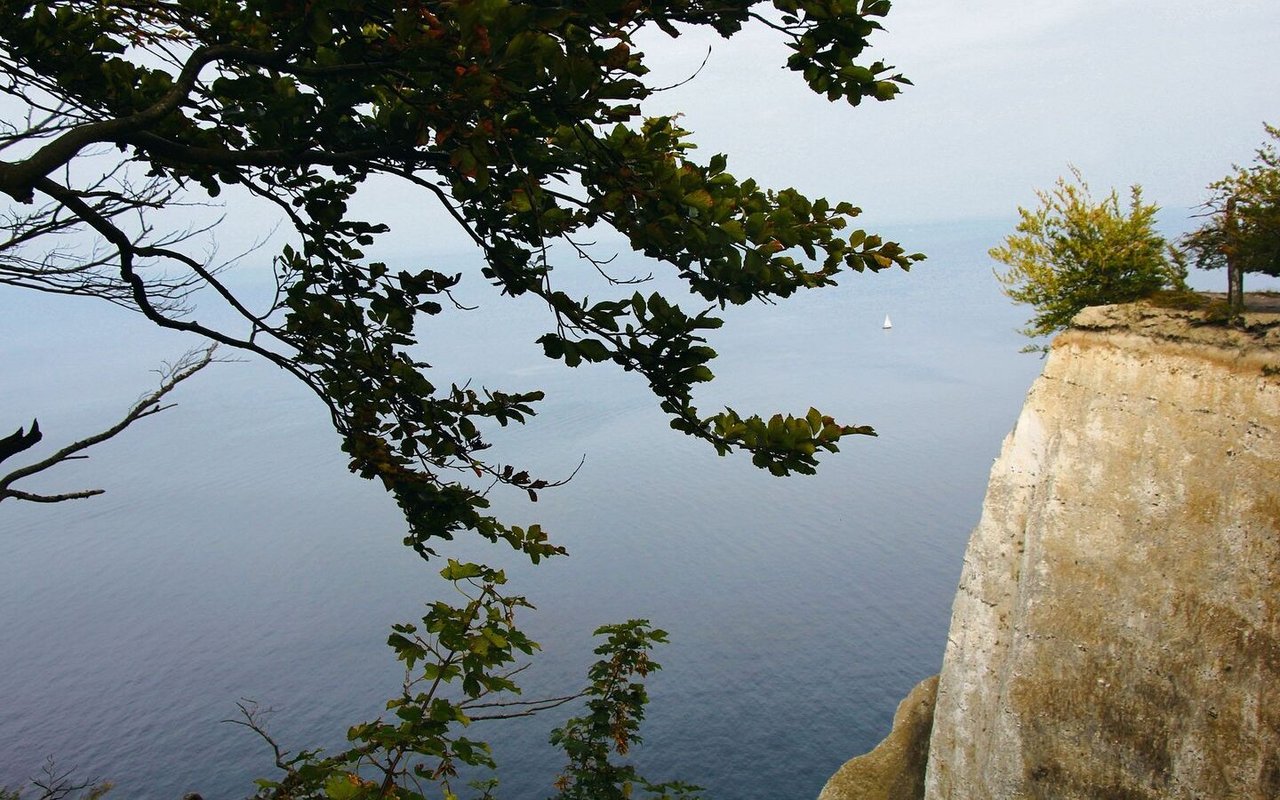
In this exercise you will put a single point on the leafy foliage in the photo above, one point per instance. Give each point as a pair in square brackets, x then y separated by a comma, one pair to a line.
[460, 664]
[522, 120]
[614, 713]
[1243, 229]
[1072, 252]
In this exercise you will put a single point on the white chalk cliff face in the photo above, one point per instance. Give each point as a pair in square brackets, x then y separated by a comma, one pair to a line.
[1116, 632]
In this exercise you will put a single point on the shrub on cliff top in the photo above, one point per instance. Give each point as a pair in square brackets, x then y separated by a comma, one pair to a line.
[1072, 252]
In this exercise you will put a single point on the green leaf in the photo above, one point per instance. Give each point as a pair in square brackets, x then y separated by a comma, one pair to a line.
[456, 571]
[320, 30]
[700, 199]
[342, 786]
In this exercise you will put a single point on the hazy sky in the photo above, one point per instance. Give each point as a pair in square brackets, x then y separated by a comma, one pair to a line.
[1165, 93]
[1007, 94]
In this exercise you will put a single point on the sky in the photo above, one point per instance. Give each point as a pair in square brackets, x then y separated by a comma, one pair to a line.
[1008, 94]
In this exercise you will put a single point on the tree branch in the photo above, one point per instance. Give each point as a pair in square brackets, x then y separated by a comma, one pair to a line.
[128, 252]
[172, 375]
[277, 157]
[20, 179]
[66, 270]
[253, 714]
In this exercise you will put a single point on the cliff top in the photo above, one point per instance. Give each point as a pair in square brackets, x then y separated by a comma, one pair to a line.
[1257, 332]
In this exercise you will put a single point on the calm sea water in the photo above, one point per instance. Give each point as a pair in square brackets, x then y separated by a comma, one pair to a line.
[234, 557]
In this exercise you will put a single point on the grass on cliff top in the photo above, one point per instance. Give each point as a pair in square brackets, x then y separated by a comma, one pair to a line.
[1183, 300]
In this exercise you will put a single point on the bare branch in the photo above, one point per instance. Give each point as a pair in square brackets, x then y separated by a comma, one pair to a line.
[57, 784]
[171, 375]
[527, 707]
[253, 718]
[94, 271]
[50, 498]
[128, 271]
[693, 75]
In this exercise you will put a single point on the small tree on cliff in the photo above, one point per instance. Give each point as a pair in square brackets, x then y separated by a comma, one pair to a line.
[1243, 229]
[1072, 252]
[521, 120]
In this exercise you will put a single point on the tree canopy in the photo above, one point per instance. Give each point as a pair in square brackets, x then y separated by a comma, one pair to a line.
[1072, 252]
[1242, 232]
[522, 120]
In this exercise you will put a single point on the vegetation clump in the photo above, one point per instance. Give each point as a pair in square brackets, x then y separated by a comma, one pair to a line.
[1071, 252]
[1182, 299]
[1242, 232]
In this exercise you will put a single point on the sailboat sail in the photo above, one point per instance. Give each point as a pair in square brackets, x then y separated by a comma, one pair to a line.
[887, 324]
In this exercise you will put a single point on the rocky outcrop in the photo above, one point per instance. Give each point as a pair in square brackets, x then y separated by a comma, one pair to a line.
[895, 769]
[1116, 632]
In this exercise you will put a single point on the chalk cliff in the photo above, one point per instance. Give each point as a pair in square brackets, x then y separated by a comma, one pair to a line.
[1116, 631]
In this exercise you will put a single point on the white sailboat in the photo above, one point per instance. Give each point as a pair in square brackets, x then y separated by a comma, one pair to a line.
[887, 324]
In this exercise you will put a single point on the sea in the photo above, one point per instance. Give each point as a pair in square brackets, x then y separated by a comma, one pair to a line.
[233, 558]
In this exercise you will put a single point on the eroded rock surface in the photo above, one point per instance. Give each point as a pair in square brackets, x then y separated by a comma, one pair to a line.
[1116, 631]
[894, 770]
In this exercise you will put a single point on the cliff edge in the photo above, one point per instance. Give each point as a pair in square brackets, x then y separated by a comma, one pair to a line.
[1116, 631]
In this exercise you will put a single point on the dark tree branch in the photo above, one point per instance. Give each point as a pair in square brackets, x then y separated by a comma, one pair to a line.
[277, 157]
[20, 179]
[69, 270]
[50, 498]
[128, 253]
[18, 441]
[528, 708]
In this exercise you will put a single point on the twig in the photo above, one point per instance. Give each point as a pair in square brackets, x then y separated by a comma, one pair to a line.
[253, 714]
